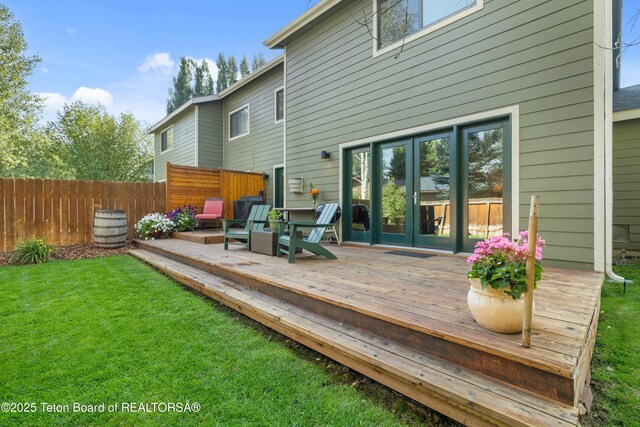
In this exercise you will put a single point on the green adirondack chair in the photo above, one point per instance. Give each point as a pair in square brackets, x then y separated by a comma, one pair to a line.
[255, 222]
[289, 244]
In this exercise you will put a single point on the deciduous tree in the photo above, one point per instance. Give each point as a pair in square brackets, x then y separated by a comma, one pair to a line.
[98, 146]
[181, 91]
[244, 67]
[257, 62]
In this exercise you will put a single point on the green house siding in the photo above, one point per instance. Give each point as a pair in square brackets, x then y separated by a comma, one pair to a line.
[626, 180]
[262, 148]
[183, 152]
[536, 55]
[210, 135]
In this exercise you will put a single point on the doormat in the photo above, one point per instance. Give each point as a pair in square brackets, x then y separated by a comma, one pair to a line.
[410, 253]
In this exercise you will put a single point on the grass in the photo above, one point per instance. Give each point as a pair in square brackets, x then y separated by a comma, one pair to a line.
[616, 360]
[112, 330]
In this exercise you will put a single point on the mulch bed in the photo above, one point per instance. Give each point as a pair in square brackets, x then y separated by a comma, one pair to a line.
[82, 251]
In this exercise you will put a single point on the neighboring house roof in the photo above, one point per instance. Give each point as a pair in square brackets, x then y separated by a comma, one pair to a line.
[626, 103]
[180, 109]
[211, 98]
[303, 22]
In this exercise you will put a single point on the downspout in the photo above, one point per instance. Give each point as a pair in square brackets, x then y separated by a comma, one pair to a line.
[608, 143]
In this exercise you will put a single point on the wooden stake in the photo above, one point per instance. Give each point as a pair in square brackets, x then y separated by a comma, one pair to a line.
[531, 269]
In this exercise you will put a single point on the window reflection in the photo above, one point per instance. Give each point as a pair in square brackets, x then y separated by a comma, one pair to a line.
[485, 190]
[435, 213]
[361, 189]
[394, 192]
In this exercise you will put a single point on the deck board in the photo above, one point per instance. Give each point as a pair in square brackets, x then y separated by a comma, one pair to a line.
[443, 386]
[427, 295]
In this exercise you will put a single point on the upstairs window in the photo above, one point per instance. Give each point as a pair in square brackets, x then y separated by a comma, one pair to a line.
[166, 140]
[279, 105]
[239, 122]
[398, 19]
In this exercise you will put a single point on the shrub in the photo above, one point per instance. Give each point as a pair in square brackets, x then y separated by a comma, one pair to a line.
[154, 226]
[184, 218]
[33, 251]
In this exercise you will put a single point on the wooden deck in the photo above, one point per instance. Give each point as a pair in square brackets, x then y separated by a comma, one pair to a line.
[404, 322]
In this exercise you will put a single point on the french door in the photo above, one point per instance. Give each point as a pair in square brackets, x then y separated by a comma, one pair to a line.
[443, 190]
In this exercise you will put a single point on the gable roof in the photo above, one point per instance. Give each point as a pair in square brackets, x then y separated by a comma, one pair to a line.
[303, 22]
[180, 109]
[212, 98]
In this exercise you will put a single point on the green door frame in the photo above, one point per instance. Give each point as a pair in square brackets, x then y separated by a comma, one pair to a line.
[405, 239]
[463, 242]
[427, 240]
[278, 187]
[348, 233]
[459, 180]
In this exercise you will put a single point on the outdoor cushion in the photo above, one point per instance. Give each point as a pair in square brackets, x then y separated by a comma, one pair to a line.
[212, 209]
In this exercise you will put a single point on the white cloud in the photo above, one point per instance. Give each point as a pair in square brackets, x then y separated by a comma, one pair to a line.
[53, 102]
[44, 70]
[160, 62]
[93, 96]
[71, 31]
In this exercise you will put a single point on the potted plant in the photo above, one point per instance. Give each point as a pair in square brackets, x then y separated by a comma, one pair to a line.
[274, 217]
[498, 280]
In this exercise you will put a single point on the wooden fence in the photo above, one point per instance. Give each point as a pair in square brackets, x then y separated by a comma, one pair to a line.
[187, 185]
[62, 211]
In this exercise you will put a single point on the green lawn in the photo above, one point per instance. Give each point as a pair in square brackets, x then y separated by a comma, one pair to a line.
[616, 362]
[112, 330]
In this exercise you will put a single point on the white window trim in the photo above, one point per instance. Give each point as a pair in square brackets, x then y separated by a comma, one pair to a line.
[172, 142]
[247, 106]
[456, 16]
[275, 105]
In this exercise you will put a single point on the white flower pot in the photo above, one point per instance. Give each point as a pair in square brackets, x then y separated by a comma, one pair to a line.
[494, 310]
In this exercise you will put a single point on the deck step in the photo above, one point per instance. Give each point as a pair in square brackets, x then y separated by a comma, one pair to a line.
[542, 380]
[460, 393]
[204, 237]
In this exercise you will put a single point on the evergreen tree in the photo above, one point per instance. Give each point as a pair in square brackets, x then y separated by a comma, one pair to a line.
[244, 67]
[258, 61]
[232, 70]
[182, 90]
[222, 82]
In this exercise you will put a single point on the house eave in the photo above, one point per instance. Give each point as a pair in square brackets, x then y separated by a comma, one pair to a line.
[193, 101]
[619, 116]
[251, 77]
[278, 40]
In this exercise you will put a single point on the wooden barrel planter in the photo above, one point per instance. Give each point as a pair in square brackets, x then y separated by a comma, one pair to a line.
[110, 228]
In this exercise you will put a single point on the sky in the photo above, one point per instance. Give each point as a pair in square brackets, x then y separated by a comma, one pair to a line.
[124, 54]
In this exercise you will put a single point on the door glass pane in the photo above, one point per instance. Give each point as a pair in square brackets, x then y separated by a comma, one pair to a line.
[394, 193]
[434, 187]
[485, 196]
[361, 189]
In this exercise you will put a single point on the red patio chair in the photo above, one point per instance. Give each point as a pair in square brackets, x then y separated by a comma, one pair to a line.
[213, 210]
